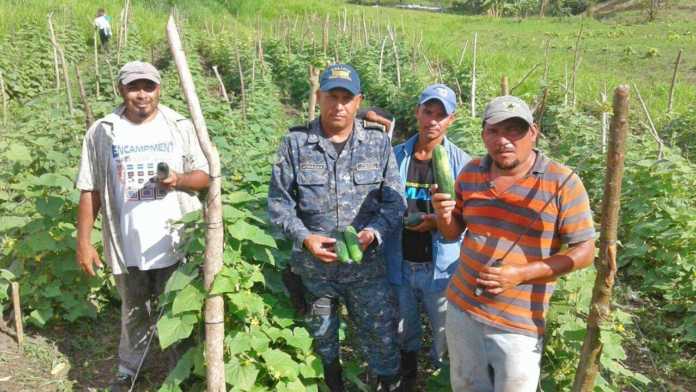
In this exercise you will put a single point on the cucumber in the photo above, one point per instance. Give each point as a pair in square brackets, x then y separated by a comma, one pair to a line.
[442, 171]
[342, 251]
[414, 219]
[351, 238]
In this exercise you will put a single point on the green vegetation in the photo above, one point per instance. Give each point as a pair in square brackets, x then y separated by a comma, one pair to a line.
[265, 347]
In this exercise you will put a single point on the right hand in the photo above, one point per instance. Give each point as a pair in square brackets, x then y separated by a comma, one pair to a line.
[321, 247]
[87, 257]
[442, 204]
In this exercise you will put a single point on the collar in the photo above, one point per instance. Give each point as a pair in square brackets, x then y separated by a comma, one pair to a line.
[410, 144]
[541, 163]
[316, 135]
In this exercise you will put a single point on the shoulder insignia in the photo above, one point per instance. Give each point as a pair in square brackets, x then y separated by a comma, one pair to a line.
[373, 126]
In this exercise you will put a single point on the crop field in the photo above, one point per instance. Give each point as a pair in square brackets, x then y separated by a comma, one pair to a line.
[263, 50]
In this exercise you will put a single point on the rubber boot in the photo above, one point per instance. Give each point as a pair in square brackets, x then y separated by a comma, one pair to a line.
[333, 376]
[389, 383]
[409, 370]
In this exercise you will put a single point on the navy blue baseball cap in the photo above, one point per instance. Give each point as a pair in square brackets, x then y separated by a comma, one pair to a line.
[442, 93]
[340, 76]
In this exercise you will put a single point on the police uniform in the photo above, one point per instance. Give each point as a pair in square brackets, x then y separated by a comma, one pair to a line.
[314, 190]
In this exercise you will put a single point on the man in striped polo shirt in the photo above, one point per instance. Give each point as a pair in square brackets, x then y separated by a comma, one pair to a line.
[497, 308]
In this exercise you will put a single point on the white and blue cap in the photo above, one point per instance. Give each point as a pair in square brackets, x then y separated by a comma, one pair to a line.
[340, 76]
[443, 94]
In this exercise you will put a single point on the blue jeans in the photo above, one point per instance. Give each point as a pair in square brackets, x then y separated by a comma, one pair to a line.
[476, 349]
[417, 289]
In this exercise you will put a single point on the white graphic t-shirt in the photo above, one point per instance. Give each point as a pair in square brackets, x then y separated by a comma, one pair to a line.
[146, 209]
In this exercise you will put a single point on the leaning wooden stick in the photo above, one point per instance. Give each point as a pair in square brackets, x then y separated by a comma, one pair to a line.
[4, 100]
[223, 90]
[600, 307]
[89, 116]
[473, 78]
[674, 82]
[314, 87]
[19, 327]
[504, 89]
[214, 304]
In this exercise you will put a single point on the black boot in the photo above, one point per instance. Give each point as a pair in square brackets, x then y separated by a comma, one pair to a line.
[333, 376]
[409, 370]
[389, 383]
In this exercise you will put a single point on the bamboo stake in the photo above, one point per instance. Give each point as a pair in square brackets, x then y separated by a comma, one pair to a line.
[651, 125]
[381, 58]
[367, 36]
[214, 304]
[459, 90]
[52, 37]
[674, 82]
[576, 64]
[473, 78]
[565, 84]
[600, 307]
[504, 89]
[461, 56]
[64, 65]
[396, 55]
[19, 327]
[96, 63]
[605, 120]
[314, 87]
[241, 81]
[538, 111]
[223, 90]
[4, 100]
[546, 60]
[325, 35]
[527, 75]
[89, 116]
[111, 75]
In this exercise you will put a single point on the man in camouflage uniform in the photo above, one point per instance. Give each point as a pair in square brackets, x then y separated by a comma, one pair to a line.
[329, 174]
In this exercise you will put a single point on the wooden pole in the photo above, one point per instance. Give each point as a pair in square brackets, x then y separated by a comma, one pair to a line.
[89, 116]
[19, 327]
[527, 75]
[473, 78]
[96, 63]
[576, 64]
[4, 100]
[546, 60]
[504, 88]
[111, 76]
[605, 120]
[674, 82]
[381, 58]
[325, 35]
[52, 37]
[392, 35]
[241, 81]
[651, 125]
[461, 55]
[314, 87]
[600, 307]
[64, 65]
[222, 85]
[214, 304]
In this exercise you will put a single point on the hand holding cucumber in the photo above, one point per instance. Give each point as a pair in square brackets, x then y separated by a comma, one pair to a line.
[321, 247]
[420, 221]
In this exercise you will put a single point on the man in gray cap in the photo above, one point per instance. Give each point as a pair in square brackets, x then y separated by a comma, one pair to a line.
[528, 221]
[141, 167]
[419, 260]
[329, 174]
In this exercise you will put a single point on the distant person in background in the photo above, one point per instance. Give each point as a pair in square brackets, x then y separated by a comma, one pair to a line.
[420, 260]
[103, 25]
[118, 177]
[497, 308]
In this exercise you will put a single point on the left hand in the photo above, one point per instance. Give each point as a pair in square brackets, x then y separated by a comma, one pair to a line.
[429, 223]
[171, 181]
[366, 237]
[495, 280]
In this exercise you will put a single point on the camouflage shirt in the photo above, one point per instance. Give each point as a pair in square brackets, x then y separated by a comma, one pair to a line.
[314, 191]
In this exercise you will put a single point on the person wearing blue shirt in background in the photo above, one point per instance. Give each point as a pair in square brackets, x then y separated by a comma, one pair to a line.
[419, 261]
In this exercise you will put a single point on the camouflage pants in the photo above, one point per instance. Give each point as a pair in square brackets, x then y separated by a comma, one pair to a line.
[371, 307]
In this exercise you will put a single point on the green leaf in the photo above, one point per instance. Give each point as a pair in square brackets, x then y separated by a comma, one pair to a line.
[40, 317]
[54, 180]
[190, 298]
[291, 386]
[244, 231]
[10, 222]
[49, 206]
[299, 338]
[7, 275]
[18, 153]
[171, 329]
[311, 368]
[180, 373]
[239, 343]
[41, 241]
[246, 300]
[280, 364]
[242, 377]
[181, 278]
[226, 281]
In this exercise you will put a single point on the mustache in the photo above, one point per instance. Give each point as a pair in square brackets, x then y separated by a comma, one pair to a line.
[506, 148]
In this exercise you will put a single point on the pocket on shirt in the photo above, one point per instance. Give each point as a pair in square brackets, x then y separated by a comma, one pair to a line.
[313, 190]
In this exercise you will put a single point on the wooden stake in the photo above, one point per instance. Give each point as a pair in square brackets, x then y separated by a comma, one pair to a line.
[214, 305]
[651, 125]
[19, 327]
[576, 64]
[223, 90]
[325, 35]
[504, 89]
[674, 82]
[241, 81]
[314, 87]
[52, 37]
[461, 56]
[473, 78]
[367, 36]
[392, 35]
[96, 63]
[527, 75]
[605, 120]
[600, 307]
[89, 116]
[111, 75]
[565, 84]
[546, 60]
[4, 100]
[381, 58]
[61, 57]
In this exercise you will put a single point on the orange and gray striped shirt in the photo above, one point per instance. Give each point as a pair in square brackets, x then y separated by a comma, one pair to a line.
[495, 220]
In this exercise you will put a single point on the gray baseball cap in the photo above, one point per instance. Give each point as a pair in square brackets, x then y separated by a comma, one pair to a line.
[505, 107]
[136, 70]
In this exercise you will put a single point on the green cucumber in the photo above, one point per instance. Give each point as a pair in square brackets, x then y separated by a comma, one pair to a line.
[342, 251]
[442, 171]
[351, 238]
[414, 219]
